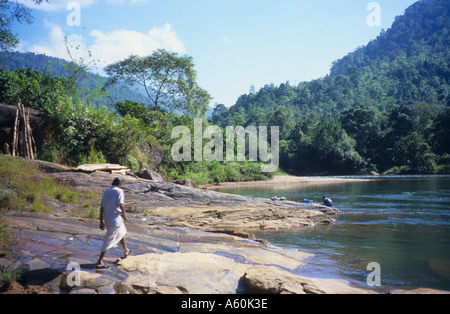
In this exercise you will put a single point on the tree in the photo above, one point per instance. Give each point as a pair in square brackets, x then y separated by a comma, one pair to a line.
[33, 88]
[363, 124]
[424, 115]
[168, 80]
[442, 132]
[324, 147]
[335, 149]
[220, 115]
[135, 110]
[77, 73]
[11, 11]
[414, 152]
[283, 118]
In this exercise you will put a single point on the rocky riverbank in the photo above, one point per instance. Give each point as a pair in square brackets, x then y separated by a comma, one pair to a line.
[181, 206]
[183, 240]
[164, 260]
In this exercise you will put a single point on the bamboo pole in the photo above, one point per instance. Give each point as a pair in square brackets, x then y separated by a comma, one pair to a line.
[26, 117]
[24, 145]
[22, 134]
[30, 137]
[15, 134]
[33, 143]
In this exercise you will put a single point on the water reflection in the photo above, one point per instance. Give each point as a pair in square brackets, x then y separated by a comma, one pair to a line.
[401, 223]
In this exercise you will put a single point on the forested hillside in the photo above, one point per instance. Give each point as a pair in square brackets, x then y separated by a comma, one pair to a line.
[87, 82]
[384, 107]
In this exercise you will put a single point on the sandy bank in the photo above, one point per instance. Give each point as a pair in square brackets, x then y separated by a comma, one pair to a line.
[288, 181]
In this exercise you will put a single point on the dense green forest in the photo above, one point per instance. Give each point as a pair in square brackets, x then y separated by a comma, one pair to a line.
[384, 107]
[87, 125]
[86, 80]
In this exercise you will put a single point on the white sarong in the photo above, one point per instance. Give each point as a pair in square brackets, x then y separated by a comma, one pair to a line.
[113, 236]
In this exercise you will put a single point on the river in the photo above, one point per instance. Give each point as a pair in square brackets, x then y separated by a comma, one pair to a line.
[400, 223]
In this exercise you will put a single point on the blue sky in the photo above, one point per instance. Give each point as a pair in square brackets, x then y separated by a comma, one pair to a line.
[234, 43]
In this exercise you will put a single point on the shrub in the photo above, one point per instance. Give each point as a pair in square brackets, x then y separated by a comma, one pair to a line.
[7, 275]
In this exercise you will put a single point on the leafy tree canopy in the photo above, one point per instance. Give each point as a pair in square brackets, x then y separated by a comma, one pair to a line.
[169, 81]
[10, 12]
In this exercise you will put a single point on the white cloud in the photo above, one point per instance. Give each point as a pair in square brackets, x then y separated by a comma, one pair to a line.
[228, 40]
[55, 44]
[119, 44]
[107, 47]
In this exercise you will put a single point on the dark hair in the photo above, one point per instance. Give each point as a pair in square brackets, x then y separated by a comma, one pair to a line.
[117, 181]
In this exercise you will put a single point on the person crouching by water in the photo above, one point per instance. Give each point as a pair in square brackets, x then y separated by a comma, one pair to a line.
[113, 211]
[327, 202]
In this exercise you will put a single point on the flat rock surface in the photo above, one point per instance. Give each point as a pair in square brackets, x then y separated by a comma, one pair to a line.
[163, 260]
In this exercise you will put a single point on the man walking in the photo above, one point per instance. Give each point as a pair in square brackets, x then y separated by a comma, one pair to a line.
[113, 211]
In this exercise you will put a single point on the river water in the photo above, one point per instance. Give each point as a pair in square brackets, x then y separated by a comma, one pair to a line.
[400, 223]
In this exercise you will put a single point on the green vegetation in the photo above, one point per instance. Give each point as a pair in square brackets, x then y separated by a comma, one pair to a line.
[216, 172]
[24, 187]
[160, 124]
[89, 86]
[131, 133]
[384, 108]
[11, 12]
[7, 276]
[169, 81]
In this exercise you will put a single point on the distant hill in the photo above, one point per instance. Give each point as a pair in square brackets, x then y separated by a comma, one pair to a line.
[384, 106]
[421, 34]
[59, 67]
[407, 64]
[16, 60]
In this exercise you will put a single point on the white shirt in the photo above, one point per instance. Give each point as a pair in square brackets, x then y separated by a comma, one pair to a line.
[111, 201]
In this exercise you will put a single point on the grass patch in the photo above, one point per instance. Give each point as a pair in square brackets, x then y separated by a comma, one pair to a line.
[25, 187]
[66, 195]
[92, 213]
[22, 185]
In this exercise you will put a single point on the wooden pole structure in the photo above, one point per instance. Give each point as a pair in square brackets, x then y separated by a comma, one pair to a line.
[24, 133]
[27, 130]
[30, 137]
[23, 141]
[15, 137]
